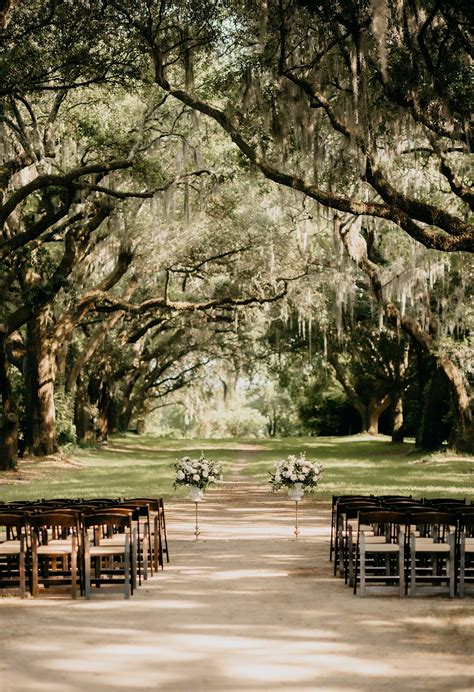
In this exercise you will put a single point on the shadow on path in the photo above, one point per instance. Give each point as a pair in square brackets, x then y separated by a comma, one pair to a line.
[245, 607]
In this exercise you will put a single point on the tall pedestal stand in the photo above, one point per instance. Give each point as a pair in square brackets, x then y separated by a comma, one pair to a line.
[196, 529]
[196, 495]
[297, 531]
[296, 493]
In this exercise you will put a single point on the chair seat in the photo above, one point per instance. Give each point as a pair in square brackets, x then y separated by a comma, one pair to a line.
[59, 542]
[382, 547]
[427, 545]
[367, 529]
[370, 538]
[117, 540]
[10, 548]
[55, 549]
[106, 550]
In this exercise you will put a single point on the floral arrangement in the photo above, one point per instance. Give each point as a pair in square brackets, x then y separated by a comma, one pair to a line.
[295, 469]
[196, 472]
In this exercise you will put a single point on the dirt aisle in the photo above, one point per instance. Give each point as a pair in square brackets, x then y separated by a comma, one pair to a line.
[246, 607]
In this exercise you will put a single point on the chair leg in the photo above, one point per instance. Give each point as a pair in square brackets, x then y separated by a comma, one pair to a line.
[163, 527]
[462, 566]
[34, 566]
[155, 542]
[160, 553]
[356, 563]
[145, 545]
[87, 569]
[363, 585]
[350, 559]
[134, 551]
[150, 548]
[127, 587]
[401, 565]
[21, 568]
[139, 554]
[451, 567]
[74, 567]
[412, 566]
[331, 545]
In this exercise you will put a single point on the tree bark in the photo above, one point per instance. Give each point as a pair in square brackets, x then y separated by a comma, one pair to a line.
[104, 406]
[9, 424]
[40, 430]
[83, 415]
[397, 417]
[272, 425]
[369, 412]
[432, 431]
[375, 408]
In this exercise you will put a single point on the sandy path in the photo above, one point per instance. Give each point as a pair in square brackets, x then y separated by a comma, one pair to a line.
[246, 607]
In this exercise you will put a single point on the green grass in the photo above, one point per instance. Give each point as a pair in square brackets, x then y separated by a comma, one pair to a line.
[142, 466]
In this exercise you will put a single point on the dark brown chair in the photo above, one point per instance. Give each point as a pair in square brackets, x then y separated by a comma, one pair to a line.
[141, 516]
[158, 536]
[380, 553]
[466, 553]
[432, 553]
[347, 510]
[13, 552]
[55, 550]
[340, 499]
[109, 550]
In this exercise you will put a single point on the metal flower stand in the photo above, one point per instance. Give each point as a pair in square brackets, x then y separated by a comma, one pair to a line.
[196, 495]
[296, 493]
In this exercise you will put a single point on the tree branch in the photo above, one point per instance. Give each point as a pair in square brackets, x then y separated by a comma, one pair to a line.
[65, 180]
[430, 237]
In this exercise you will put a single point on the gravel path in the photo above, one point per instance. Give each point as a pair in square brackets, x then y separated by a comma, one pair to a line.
[245, 607]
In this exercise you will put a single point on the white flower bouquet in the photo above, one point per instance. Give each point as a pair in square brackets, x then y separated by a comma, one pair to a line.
[295, 469]
[198, 473]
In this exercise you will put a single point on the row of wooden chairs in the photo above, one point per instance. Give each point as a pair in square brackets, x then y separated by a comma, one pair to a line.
[414, 546]
[81, 544]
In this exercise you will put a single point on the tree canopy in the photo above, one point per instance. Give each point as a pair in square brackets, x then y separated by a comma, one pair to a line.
[181, 181]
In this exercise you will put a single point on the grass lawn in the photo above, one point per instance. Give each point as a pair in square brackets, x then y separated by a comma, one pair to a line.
[141, 466]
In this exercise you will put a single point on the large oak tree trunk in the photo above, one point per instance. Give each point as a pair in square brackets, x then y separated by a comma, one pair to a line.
[83, 415]
[9, 423]
[369, 411]
[375, 408]
[432, 433]
[113, 423]
[40, 375]
[462, 437]
[126, 418]
[104, 406]
[397, 416]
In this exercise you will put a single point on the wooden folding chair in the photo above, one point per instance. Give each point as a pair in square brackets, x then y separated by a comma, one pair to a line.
[432, 553]
[340, 499]
[380, 553]
[347, 510]
[466, 554]
[110, 550]
[158, 537]
[141, 515]
[13, 552]
[55, 550]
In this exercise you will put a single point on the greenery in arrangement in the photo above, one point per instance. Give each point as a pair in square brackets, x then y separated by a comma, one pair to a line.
[196, 472]
[295, 469]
